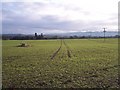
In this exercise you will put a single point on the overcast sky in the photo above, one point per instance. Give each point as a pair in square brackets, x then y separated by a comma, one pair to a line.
[58, 16]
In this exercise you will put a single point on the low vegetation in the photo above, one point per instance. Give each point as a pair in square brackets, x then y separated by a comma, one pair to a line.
[72, 63]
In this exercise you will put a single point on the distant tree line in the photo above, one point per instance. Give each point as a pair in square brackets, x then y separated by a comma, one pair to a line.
[41, 37]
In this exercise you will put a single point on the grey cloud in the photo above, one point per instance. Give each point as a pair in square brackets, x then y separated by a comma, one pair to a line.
[14, 22]
[51, 23]
[45, 23]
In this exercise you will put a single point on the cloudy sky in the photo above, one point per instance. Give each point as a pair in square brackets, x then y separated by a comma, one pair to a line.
[58, 16]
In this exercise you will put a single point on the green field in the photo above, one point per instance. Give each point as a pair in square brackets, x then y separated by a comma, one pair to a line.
[69, 63]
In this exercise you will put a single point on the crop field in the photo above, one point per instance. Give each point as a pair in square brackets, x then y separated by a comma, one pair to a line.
[68, 63]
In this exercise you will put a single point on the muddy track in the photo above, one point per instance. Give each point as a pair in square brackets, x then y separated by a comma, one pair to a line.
[68, 49]
[55, 53]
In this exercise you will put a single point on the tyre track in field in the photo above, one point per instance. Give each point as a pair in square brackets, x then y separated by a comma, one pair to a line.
[56, 52]
[69, 51]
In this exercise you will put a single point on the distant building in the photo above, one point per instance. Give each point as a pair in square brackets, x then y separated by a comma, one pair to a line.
[41, 36]
[35, 34]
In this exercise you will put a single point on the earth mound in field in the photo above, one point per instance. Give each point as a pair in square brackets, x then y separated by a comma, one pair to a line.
[23, 45]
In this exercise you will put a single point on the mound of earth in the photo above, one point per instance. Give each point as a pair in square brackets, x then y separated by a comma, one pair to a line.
[23, 45]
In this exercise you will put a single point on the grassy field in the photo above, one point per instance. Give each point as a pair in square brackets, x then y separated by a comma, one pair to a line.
[72, 63]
